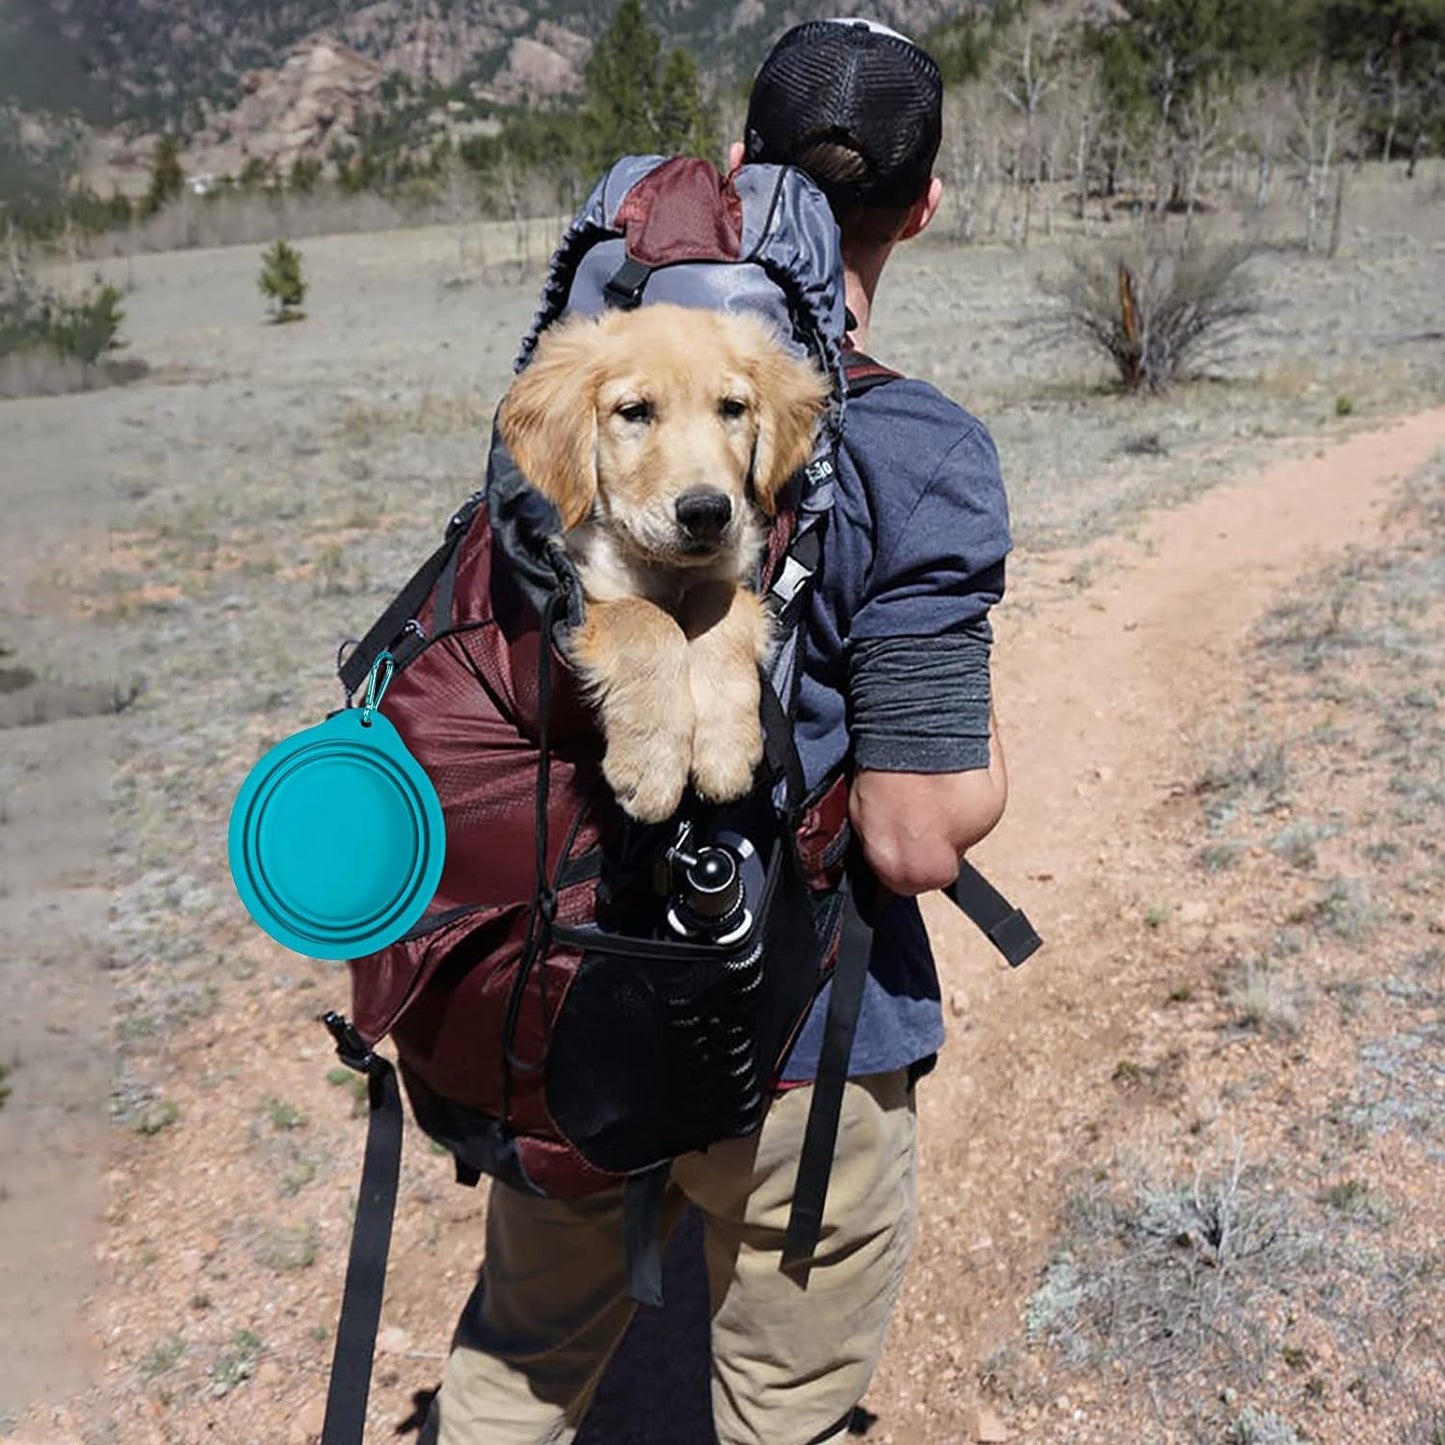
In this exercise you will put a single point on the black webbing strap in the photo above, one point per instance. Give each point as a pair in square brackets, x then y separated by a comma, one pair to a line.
[836, 1431]
[789, 588]
[779, 747]
[820, 1137]
[404, 607]
[642, 1234]
[444, 601]
[862, 373]
[385, 630]
[1005, 926]
[624, 289]
[370, 1242]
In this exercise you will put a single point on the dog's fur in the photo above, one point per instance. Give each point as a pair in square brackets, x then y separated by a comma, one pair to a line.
[616, 419]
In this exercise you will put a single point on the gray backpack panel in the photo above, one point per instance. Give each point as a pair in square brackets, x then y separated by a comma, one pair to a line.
[790, 269]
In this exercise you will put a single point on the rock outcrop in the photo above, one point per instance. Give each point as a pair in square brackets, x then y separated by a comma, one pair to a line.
[541, 66]
[312, 102]
[430, 44]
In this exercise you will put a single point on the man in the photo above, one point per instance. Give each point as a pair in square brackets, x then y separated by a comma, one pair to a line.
[896, 677]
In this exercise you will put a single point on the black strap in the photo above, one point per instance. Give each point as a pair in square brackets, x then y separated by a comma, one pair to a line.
[544, 893]
[1005, 926]
[407, 603]
[790, 587]
[625, 288]
[370, 1243]
[779, 747]
[402, 609]
[820, 1137]
[835, 1431]
[642, 1234]
[443, 602]
[787, 602]
[861, 373]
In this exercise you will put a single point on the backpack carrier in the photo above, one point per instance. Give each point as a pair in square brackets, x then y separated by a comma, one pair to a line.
[551, 1026]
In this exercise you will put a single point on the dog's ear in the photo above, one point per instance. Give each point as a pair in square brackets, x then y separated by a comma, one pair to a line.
[548, 419]
[791, 397]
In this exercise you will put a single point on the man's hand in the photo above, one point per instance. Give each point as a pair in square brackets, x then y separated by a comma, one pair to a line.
[915, 827]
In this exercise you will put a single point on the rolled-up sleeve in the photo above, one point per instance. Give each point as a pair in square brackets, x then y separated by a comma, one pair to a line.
[921, 704]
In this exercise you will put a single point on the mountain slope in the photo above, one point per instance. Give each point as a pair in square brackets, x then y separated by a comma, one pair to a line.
[161, 61]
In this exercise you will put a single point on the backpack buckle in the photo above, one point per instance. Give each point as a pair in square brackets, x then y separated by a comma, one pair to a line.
[351, 1048]
[625, 288]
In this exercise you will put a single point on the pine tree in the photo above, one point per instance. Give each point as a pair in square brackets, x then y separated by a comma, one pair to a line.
[168, 180]
[282, 282]
[1396, 49]
[304, 175]
[1159, 52]
[637, 101]
[686, 122]
[621, 79]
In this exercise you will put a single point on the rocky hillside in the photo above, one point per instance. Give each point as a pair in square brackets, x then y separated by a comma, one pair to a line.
[273, 81]
[174, 61]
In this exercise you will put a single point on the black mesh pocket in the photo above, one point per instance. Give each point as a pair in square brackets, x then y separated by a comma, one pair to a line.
[661, 1047]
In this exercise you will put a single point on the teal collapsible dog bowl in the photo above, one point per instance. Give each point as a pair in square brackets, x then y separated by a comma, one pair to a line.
[336, 838]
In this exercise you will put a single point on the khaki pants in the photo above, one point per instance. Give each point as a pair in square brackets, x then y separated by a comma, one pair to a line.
[791, 1353]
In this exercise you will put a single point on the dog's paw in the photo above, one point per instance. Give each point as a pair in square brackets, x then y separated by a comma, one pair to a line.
[725, 756]
[648, 782]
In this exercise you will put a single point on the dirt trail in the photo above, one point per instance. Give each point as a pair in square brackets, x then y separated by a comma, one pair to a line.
[1109, 665]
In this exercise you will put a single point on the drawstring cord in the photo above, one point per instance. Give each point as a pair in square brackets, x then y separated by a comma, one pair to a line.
[544, 895]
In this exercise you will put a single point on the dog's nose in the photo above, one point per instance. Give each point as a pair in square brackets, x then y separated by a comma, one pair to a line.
[703, 513]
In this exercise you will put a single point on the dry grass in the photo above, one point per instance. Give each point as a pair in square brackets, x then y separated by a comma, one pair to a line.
[364, 424]
[40, 372]
[260, 218]
[1209, 1290]
[1259, 997]
[1249, 779]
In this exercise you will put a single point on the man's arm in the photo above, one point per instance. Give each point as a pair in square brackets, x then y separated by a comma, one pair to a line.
[929, 778]
[915, 827]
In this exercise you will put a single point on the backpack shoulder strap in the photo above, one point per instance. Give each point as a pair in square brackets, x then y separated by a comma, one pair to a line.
[862, 373]
[399, 621]
[792, 572]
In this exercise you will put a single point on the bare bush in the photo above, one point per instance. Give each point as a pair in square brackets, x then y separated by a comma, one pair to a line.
[1171, 1276]
[1156, 310]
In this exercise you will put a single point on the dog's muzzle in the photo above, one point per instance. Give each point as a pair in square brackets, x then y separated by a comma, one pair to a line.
[703, 515]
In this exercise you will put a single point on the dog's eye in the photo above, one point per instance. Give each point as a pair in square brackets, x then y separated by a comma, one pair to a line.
[732, 407]
[638, 411]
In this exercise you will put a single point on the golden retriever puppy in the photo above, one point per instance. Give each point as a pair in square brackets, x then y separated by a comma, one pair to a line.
[660, 434]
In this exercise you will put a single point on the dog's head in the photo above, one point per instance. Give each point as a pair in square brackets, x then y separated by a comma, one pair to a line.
[664, 423]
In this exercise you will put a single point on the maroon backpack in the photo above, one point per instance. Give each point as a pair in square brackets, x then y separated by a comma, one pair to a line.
[551, 1029]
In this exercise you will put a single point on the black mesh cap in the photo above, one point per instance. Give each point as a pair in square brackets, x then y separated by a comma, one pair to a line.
[861, 85]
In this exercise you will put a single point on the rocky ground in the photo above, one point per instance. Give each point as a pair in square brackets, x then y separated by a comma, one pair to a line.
[1181, 1175]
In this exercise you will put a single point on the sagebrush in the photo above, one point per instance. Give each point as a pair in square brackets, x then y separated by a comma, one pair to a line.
[1157, 309]
[33, 317]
